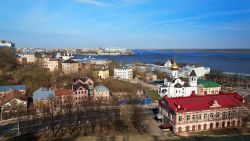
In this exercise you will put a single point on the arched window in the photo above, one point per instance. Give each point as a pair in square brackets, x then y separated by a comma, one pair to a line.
[205, 126]
[199, 127]
[187, 128]
[228, 124]
[193, 128]
[211, 125]
[233, 123]
[179, 130]
[217, 124]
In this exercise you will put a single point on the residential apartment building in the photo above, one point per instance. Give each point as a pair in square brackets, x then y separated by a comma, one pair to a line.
[123, 72]
[54, 65]
[64, 96]
[101, 92]
[42, 97]
[30, 58]
[70, 66]
[102, 73]
[197, 113]
[82, 88]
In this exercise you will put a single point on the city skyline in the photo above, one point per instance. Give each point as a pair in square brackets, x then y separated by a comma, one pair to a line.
[142, 24]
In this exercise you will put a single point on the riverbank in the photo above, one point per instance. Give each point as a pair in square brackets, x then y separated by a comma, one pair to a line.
[228, 62]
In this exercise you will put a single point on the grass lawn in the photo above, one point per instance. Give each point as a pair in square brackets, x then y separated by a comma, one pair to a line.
[152, 93]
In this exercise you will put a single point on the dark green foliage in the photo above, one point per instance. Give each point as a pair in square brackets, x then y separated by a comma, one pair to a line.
[7, 59]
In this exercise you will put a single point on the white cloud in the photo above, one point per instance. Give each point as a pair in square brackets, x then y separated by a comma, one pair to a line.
[92, 2]
[112, 3]
[193, 18]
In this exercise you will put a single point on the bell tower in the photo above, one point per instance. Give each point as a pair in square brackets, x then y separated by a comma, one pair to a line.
[193, 79]
[175, 69]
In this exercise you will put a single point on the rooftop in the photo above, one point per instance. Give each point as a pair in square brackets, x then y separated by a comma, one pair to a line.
[13, 95]
[196, 103]
[42, 94]
[69, 61]
[12, 87]
[122, 67]
[207, 83]
[63, 92]
[101, 88]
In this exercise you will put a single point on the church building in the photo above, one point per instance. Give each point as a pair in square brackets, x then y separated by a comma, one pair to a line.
[177, 87]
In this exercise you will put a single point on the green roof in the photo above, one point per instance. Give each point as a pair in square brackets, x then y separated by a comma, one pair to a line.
[207, 83]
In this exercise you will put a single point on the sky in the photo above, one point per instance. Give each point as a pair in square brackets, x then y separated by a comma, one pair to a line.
[142, 24]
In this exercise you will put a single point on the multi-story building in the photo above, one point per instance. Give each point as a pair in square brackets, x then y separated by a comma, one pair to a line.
[70, 66]
[200, 71]
[82, 88]
[42, 97]
[30, 58]
[196, 113]
[103, 73]
[101, 92]
[7, 44]
[64, 96]
[123, 72]
[177, 87]
[54, 65]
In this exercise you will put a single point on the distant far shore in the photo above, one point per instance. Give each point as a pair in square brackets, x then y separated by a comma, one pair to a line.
[203, 50]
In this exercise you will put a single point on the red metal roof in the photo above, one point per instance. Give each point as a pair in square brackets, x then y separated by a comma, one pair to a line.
[13, 95]
[196, 103]
[63, 92]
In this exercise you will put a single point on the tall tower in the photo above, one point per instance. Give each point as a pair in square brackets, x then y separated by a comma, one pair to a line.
[193, 79]
[175, 69]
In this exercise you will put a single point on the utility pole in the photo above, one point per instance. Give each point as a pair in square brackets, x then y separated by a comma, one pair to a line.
[1, 113]
[18, 129]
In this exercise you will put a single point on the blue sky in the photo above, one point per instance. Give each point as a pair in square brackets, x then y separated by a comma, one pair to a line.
[163, 24]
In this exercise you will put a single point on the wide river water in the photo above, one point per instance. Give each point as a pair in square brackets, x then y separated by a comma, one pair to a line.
[226, 61]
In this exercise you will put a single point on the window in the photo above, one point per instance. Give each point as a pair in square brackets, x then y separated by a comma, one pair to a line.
[188, 117]
[199, 117]
[205, 116]
[224, 115]
[217, 115]
[194, 116]
[229, 114]
[180, 118]
[212, 115]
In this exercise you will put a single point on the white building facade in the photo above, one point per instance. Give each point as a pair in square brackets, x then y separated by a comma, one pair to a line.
[177, 87]
[123, 72]
[30, 58]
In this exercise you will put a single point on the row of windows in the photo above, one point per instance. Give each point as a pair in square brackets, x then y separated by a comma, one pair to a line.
[80, 92]
[223, 115]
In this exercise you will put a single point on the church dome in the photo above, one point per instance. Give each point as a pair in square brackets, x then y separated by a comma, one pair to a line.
[175, 66]
[178, 85]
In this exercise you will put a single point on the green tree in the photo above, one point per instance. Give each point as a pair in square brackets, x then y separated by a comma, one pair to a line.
[33, 76]
[111, 66]
[7, 59]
